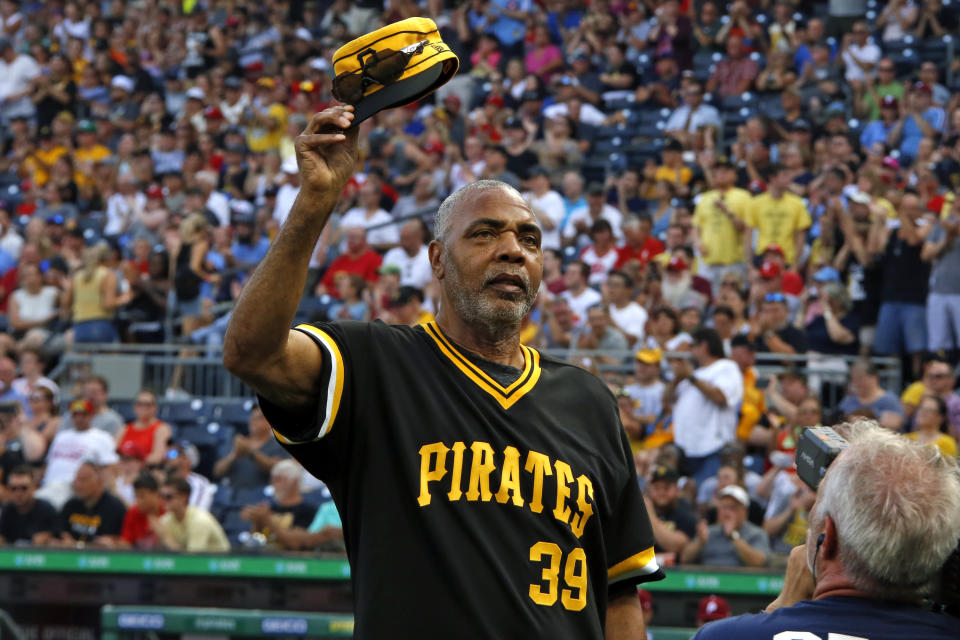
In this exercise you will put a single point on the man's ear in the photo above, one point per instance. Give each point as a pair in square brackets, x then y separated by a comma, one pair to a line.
[829, 547]
[435, 252]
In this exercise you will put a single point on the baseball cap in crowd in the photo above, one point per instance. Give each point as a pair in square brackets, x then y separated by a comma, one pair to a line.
[595, 189]
[320, 64]
[826, 274]
[233, 82]
[122, 82]
[859, 197]
[389, 269]
[154, 191]
[131, 449]
[712, 608]
[196, 93]
[496, 101]
[774, 248]
[538, 171]
[922, 87]
[665, 473]
[646, 599]
[889, 102]
[736, 492]
[801, 125]
[678, 341]
[434, 147]
[722, 161]
[513, 123]
[649, 356]
[392, 66]
[213, 113]
[677, 263]
[579, 56]
[673, 145]
[405, 295]
[187, 450]
[290, 165]
[81, 406]
[769, 270]
[757, 187]
[86, 126]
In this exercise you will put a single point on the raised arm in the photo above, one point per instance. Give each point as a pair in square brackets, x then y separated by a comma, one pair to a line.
[259, 347]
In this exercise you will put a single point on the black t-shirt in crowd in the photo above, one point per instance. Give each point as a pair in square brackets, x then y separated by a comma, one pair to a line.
[105, 518]
[905, 276]
[520, 164]
[302, 513]
[680, 517]
[789, 334]
[16, 526]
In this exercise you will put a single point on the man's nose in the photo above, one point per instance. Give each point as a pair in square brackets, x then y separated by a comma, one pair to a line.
[509, 249]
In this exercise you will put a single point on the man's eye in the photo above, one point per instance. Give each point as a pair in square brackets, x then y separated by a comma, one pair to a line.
[483, 233]
[531, 240]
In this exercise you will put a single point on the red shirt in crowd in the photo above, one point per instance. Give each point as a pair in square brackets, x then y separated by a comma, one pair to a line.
[136, 529]
[650, 248]
[366, 265]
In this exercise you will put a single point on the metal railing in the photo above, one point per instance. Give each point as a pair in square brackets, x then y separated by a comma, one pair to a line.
[202, 374]
[9, 628]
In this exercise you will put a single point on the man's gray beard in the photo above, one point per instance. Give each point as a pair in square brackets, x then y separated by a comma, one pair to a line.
[476, 308]
[673, 293]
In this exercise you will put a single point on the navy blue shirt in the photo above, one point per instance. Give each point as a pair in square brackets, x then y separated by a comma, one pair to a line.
[854, 617]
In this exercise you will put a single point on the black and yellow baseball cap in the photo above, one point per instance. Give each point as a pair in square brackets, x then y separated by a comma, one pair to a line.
[392, 66]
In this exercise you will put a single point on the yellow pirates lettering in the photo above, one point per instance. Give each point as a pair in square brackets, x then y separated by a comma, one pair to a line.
[457, 472]
[481, 467]
[433, 459]
[564, 478]
[579, 521]
[510, 477]
[539, 465]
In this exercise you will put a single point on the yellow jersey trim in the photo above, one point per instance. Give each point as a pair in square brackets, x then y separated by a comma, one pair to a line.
[643, 563]
[505, 396]
[335, 383]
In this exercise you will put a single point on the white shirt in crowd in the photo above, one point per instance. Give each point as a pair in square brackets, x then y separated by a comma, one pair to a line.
[220, 206]
[285, 197]
[869, 53]
[599, 265]
[70, 449]
[581, 303]
[551, 203]
[648, 398]
[609, 213]
[415, 271]
[632, 318]
[357, 217]
[15, 76]
[36, 307]
[704, 116]
[701, 427]
[12, 243]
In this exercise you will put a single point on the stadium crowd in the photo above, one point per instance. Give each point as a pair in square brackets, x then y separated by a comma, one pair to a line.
[715, 184]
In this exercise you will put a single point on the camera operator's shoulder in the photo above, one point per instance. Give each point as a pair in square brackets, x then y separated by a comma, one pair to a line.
[745, 627]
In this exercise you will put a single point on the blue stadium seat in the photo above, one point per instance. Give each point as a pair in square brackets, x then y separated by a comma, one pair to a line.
[252, 495]
[125, 409]
[891, 47]
[232, 412]
[183, 411]
[906, 61]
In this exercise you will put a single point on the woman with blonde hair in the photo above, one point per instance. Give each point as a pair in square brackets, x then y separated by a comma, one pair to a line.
[188, 263]
[92, 298]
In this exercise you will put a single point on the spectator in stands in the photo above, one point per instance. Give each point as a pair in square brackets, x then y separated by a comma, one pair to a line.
[70, 448]
[34, 306]
[20, 444]
[8, 375]
[867, 393]
[286, 509]
[938, 380]
[693, 116]
[249, 244]
[411, 256]
[673, 519]
[142, 520]
[933, 426]
[547, 206]
[32, 365]
[601, 255]
[712, 608]
[599, 333]
[705, 402]
[678, 285]
[407, 308]
[358, 258]
[559, 323]
[578, 295]
[859, 55]
[626, 315]
[771, 330]
[44, 419]
[942, 249]
[647, 388]
[733, 541]
[734, 74]
[639, 245]
[868, 102]
[26, 519]
[18, 71]
[94, 516]
[92, 298]
[930, 75]
[901, 325]
[718, 223]
[779, 218]
[182, 459]
[672, 35]
[919, 119]
[788, 510]
[897, 19]
[577, 228]
[185, 527]
[96, 391]
[252, 457]
[148, 432]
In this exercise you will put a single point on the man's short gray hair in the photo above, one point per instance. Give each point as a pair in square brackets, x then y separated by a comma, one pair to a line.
[289, 469]
[441, 223]
[896, 506]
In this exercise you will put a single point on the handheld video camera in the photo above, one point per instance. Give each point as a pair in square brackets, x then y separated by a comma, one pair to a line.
[817, 448]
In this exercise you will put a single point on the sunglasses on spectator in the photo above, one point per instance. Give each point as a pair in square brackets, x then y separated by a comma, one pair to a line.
[940, 375]
[889, 69]
[36, 398]
[18, 487]
[774, 297]
[167, 495]
[144, 403]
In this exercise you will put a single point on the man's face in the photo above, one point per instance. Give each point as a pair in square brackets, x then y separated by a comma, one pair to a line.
[723, 324]
[618, 291]
[95, 394]
[356, 239]
[776, 312]
[598, 320]
[258, 425]
[729, 510]
[563, 314]
[148, 501]
[922, 100]
[743, 356]
[21, 488]
[646, 373]
[172, 499]
[490, 264]
[664, 493]
[411, 238]
[815, 30]
[734, 47]
[81, 420]
[572, 186]
[938, 378]
[86, 483]
[910, 205]
[573, 277]
[8, 371]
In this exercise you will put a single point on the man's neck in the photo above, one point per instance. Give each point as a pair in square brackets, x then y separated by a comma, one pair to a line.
[412, 252]
[27, 506]
[501, 346]
[290, 500]
[353, 255]
[180, 514]
[621, 304]
[709, 360]
[832, 582]
[577, 289]
[369, 211]
[776, 193]
[93, 500]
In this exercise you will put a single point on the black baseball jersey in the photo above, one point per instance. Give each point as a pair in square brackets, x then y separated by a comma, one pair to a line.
[470, 508]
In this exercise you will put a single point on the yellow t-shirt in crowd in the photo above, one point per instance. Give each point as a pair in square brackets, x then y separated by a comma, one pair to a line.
[94, 154]
[776, 220]
[260, 139]
[199, 531]
[947, 445]
[913, 394]
[724, 244]
[41, 159]
[670, 175]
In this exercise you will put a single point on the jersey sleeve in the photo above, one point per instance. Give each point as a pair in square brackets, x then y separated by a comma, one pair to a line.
[629, 536]
[333, 386]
